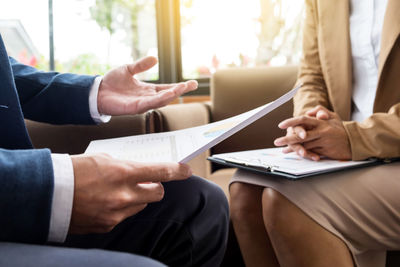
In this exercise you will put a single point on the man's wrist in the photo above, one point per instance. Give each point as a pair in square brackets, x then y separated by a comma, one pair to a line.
[94, 112]
[63, 196]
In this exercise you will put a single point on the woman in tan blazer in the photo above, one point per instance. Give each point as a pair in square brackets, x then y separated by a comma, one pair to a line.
[340, 219]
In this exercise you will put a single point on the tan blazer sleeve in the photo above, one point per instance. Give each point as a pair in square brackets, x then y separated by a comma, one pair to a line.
[378, 136]
[314, 91]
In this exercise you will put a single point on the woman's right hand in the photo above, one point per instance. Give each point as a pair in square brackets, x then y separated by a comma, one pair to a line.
[299, 134]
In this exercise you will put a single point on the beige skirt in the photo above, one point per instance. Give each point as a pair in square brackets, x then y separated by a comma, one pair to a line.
[360, 206]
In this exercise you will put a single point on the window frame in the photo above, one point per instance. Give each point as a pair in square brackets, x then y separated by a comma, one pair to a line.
[169, 46]
[168, 26]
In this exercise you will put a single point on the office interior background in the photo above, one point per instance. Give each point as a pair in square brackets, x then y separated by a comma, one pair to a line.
[191, 38]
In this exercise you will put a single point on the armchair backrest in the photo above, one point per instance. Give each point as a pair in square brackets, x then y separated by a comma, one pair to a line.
[236, 90]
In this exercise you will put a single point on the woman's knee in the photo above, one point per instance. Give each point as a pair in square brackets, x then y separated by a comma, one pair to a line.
[245, 201]
[278, 211]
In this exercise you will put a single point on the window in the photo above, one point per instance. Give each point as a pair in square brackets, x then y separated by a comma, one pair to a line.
[92, 36]
[25, 31]
[237, 33]
[191, 38]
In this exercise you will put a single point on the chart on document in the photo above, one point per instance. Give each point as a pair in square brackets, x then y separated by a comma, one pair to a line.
[141, 148]
[160, 147]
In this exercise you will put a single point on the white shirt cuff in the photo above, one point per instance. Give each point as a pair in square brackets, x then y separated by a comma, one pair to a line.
[94, 112]
[63, 197]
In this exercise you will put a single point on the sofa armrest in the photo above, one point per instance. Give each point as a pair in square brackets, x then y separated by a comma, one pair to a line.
[74, 139]
[181, 116]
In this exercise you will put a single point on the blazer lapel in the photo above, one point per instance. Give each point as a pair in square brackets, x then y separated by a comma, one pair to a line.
[336, 53]
[387, 88]
[390, 31]
[13, 132]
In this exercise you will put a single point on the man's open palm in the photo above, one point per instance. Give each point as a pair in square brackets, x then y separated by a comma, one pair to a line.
[120, 93]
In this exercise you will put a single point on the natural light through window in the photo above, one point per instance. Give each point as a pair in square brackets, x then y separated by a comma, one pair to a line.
[225, 33]
[25, 30]
[90, 36]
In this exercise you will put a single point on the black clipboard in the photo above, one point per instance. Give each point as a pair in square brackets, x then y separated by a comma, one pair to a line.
[290, 176]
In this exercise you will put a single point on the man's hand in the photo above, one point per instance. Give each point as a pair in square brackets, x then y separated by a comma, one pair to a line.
[318, 133]
[120, 93]
[108, 190]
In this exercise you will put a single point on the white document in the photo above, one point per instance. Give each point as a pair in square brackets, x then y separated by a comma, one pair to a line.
[182, 145]
[274, 160]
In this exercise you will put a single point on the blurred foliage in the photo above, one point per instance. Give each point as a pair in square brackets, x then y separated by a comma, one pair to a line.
[279, 37]
[105, 12]
[42, 64]
[102, 13]
[276, 37]
[186, 20]
[187, 3]
[84, 64]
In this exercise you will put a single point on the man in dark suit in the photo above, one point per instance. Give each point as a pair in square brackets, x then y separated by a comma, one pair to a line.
[50, 201]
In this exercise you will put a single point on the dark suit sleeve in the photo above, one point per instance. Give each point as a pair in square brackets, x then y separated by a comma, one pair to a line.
[53, 97]
[26, 191]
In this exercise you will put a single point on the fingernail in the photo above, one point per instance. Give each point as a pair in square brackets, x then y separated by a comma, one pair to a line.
[194, 83]
[277, 143]
[302, 135]
[302, 153]
[315, 158]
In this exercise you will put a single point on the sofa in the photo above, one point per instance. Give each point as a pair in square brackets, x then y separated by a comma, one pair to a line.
[233, 91]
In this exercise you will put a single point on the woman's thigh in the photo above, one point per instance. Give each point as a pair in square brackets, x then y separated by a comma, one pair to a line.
[361, 206]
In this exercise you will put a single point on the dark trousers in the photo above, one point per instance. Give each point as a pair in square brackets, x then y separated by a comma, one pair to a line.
[187, 228]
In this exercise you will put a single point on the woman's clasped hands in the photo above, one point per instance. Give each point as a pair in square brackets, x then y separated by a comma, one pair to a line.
[318, 133]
